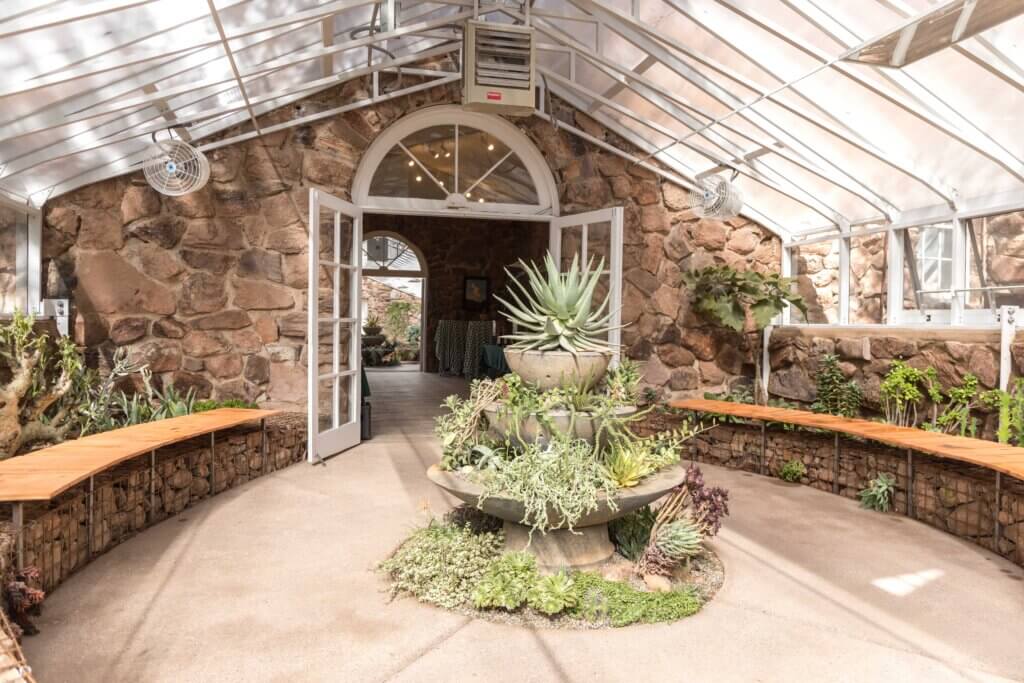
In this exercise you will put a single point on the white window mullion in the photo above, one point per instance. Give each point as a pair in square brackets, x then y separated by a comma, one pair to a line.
[894, 277]
[961, 264]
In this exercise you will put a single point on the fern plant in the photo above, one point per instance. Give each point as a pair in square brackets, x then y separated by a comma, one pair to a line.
[836, 395]
[879, 493]
[792, 471]
[726, 295]
[556, 311]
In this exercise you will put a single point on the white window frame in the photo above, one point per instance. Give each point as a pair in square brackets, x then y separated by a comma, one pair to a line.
[454, 115]
[28, 259]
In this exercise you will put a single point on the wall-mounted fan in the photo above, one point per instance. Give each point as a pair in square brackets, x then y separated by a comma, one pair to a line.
[176, 168]
[716, 197]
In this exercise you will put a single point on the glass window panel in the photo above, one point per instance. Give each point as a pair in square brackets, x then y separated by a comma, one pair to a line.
[997, 260]
[325, 404]
[867, 279]
[816, 270]
[572, 245]
[599, 236]
[12, 222]
[382, 252]
[407, 172]
[342, 252]
[928, 267]
[326, 233]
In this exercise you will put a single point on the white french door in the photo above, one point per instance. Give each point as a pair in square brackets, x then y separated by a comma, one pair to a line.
[594, 235]
[334, 357]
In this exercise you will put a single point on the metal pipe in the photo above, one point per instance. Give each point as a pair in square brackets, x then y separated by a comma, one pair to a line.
[764, 444]
[213, 460]
[835, 465]
[152, 486]
[19, 530]
[910, 482]
[997, 529]
[263, 445]
[92, 491]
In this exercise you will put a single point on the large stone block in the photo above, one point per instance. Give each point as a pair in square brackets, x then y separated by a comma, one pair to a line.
[216, 262]
[287, 240]
[160, 355]
[259, 295]
[164, 230]
[109, 284]
[99, 229]
[224, 366]
[223, 320]
[256, 263]
[129, 329]
[201, 344]
[214, 233]
[203, 293]
[287, 383]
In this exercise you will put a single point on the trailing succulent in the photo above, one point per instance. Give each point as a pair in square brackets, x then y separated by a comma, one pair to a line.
[555, 311]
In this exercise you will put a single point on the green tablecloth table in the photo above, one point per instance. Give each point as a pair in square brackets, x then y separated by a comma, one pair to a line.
[493, 361]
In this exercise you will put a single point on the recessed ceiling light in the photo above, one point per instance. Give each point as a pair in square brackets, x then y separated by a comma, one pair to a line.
[490, 148]
[447, 154]
[419, 178]
[437, 154]
[468, 195]
[411, 163]
[481, 200]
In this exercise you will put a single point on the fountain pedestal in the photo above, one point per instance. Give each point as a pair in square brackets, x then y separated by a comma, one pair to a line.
[586, 548]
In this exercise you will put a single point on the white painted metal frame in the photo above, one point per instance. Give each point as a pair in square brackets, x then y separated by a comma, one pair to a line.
[28, 257]
[613, 269]
[452, 115]
[344, 431]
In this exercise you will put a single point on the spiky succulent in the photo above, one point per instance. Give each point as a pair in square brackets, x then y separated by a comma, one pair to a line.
[556, 311]
[680, 539]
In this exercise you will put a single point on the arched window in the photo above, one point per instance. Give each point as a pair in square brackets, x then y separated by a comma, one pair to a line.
[445, 159]
[385, 254]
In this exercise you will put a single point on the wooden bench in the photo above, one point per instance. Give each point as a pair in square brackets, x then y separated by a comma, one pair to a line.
[1001, 458]
[45, 474]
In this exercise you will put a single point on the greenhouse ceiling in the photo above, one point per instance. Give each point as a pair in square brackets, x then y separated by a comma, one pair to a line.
[798, 98]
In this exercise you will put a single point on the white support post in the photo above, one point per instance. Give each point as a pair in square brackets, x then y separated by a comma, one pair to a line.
[766, 366]
[844, 273]
[1007, 333]
[894, 277]
[961, 267]
[786, 269]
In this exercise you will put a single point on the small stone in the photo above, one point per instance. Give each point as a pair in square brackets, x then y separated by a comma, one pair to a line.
[657, 584]
[259, 295]
[224, 366]
[170, 328]
[257, 369]
[216, 233]
[127, 330]
[293, 325]
[203, 293]
[201, 344]
[165, 230]
[213, 261]
[266, 327]
[159, 355]
[224, 320]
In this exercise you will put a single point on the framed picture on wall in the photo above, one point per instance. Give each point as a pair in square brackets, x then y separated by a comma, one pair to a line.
[475, 293]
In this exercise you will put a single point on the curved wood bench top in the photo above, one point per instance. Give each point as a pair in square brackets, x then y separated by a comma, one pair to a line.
[48, 472]
[996, 456]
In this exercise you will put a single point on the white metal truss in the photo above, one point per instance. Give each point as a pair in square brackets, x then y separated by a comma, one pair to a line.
[138, 84]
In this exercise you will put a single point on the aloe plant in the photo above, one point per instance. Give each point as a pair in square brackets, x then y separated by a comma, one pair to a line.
[556, 311]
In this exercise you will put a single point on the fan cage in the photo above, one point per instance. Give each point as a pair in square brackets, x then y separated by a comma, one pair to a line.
[176, 168]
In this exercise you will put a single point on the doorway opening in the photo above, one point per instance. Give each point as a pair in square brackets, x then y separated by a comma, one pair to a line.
[393, 287]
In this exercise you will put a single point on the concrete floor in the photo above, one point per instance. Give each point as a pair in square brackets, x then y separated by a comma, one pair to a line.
[273, 582]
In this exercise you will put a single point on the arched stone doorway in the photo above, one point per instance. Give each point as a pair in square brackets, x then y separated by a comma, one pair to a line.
[395, 289]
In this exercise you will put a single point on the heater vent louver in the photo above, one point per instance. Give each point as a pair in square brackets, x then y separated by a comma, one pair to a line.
[499, 72]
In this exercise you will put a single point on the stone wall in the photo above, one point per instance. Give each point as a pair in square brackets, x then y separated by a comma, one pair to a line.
[377, 295]
[209, 288]
[866, 355]
[950, 496]
[56, 538]
[457, 248]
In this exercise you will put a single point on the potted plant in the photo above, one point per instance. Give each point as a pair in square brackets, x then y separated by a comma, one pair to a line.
[372, 327]
[558, 342]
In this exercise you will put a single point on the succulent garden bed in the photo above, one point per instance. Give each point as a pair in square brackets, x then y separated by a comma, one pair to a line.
[564, 525]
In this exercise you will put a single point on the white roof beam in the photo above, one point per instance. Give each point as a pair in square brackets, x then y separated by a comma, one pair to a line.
[283, 62]
[66, 76]
[34, 160]
[933, 110]
[840, 129]
[69, 15]
[664, 101]
[633, 32]
[128, 163]
[234, 65]
[740, 164]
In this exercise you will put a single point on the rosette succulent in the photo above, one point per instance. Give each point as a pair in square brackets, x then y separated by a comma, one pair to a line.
[556, 311]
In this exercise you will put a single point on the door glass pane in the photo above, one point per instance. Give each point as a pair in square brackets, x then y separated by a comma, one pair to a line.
[326, 234]
[343, 252]
[599, 243]
[346, 390]
[12, 222]
[600, 293]
[572, 245]
[325, 403]
[330, 277]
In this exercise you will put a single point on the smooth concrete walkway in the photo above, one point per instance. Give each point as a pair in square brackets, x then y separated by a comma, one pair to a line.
[274, 582]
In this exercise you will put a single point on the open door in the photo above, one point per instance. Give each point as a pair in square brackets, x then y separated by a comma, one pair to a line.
[597, 235]
[334, 357]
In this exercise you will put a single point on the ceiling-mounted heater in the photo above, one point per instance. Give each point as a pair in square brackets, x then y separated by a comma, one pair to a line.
[498, 75]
